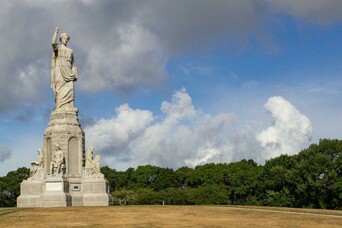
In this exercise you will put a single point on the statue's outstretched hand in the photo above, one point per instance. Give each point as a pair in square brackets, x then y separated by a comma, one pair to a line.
[57, 30]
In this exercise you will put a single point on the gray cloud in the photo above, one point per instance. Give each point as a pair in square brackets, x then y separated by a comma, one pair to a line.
[185, 25]
[315, 11]
[5, 153]
[23, 62]
[25, 117]
[122, 46]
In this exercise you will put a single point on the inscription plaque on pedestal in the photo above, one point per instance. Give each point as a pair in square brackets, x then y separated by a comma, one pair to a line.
[54, 187]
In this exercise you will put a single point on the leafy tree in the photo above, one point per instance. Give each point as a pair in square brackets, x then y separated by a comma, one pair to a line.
[243, 181]
[282, 198]
[278, 172]
[147, 196]
[209, 194]
[153, 177]
[183, 175]
[117, 179]
[313, 177]
[280, 179]
[123, 197]
[166, 178]
[10, 186]
[143, 176]
[110, 175]
[319, 168]
[176, 196]
[208, 174]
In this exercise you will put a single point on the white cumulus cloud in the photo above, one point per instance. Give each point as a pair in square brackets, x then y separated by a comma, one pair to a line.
[114, 135]
[289, 133]
[182, 136]
[186, 136]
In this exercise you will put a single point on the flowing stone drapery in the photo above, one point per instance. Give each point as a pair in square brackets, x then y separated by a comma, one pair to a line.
[63, 75]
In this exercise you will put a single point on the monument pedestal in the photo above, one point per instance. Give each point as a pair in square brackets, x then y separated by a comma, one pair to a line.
[71, 183]
[95, 189]
[65, 130]
[31, 190]
[56, 192]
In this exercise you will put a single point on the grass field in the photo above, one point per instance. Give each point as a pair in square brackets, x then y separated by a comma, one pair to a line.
[169, 216]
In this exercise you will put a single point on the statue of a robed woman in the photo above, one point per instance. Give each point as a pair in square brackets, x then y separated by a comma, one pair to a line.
[63, 72]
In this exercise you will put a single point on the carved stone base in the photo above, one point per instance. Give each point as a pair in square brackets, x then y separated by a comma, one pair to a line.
[73, 184]
[31, 191]
[95, 192]
[59, 192]
[56, 192]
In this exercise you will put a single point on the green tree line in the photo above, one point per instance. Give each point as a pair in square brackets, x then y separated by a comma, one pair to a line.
[311, 179]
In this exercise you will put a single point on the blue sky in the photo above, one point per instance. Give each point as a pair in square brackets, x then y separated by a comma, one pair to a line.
[175, 83]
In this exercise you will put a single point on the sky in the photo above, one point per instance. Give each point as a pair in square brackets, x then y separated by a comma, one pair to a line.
[175, 83]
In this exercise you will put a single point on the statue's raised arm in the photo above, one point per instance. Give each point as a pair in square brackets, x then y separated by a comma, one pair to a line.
[63, 73]
[54, 38]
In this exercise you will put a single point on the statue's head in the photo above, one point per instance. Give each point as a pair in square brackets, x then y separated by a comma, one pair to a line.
[64, 38]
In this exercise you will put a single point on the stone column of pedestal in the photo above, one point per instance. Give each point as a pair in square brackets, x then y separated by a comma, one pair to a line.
[65, 131]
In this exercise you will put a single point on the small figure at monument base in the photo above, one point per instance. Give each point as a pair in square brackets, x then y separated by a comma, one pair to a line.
[92, 165]
[57, 163]
[35, 165]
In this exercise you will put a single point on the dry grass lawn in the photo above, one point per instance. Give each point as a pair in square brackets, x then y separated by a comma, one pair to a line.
[169, 216]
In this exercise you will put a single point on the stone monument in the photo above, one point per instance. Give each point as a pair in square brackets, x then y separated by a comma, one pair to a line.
[63, 174]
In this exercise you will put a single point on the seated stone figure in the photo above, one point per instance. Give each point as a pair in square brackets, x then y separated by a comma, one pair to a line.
[56, 165]
[41, 158]
[33, 168]
[92, 164]
[37, 164]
